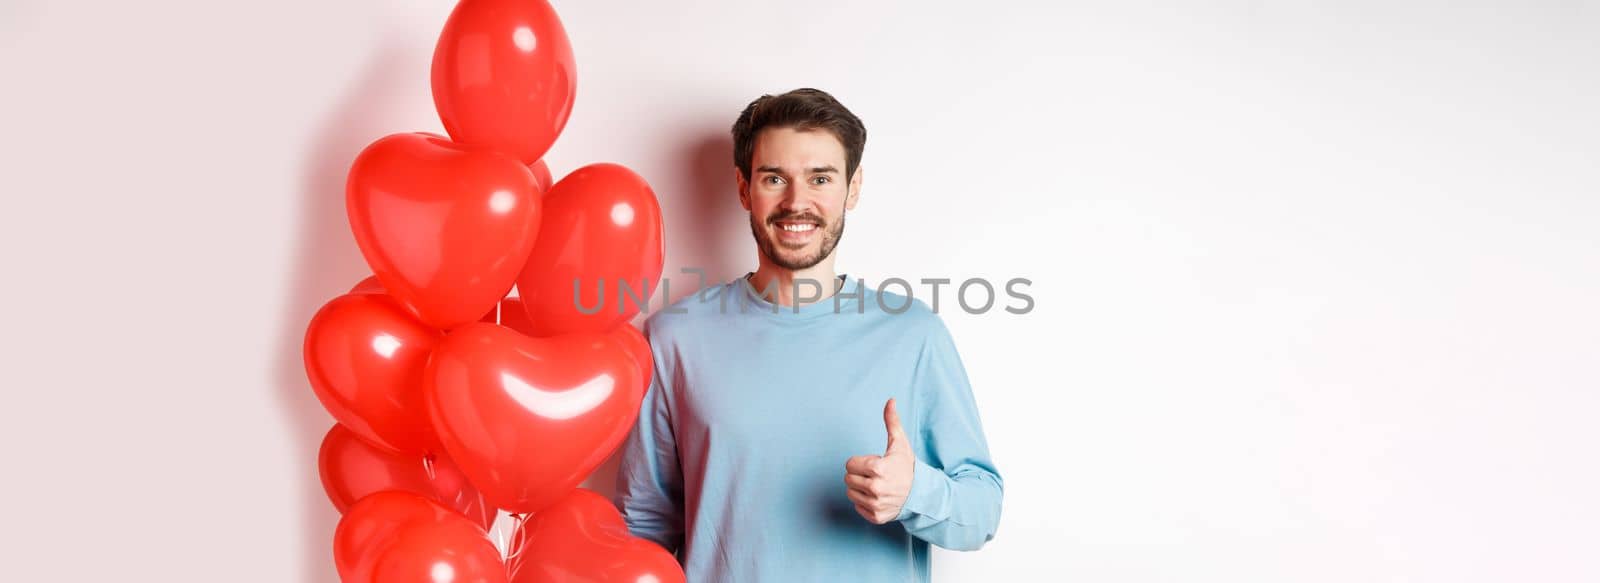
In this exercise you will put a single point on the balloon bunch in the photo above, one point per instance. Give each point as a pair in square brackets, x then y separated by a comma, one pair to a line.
[455, 398]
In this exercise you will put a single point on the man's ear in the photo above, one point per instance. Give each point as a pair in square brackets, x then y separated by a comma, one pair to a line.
[855, 189]
[744, 188]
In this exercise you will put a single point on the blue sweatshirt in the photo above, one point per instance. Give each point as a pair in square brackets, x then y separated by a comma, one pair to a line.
[737, 462]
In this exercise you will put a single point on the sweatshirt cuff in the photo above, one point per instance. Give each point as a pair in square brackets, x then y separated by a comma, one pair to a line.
[928, 488]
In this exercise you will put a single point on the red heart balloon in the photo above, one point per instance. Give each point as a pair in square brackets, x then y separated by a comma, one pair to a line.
[370, 524]
[503, 76]
[526, 419]
[456, 552]
[399, 537]
[602, 227]
[515, 317]
[351, 469]
[444, 227]
[639, 347]
[365, 357]
[371, 285]
[582, 539]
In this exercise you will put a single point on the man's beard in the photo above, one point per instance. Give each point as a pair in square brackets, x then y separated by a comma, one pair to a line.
[830, 239]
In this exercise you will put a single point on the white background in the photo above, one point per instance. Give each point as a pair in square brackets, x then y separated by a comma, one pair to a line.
[1316, 281]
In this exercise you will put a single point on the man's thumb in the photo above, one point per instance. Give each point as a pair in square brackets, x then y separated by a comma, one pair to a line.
[897, 434]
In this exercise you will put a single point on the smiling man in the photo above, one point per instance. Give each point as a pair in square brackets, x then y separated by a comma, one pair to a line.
[799, 426]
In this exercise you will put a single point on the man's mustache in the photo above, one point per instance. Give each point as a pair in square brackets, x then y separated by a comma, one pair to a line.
[795, 217]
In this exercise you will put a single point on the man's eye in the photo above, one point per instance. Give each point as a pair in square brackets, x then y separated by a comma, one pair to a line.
[774, 180]
[820, 180]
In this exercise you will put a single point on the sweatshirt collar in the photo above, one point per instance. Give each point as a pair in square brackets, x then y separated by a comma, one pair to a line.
[850, 291]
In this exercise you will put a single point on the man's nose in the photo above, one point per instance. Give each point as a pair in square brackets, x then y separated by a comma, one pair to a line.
[795, 199]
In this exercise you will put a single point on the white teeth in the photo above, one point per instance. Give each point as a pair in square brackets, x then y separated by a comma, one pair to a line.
[798, 228]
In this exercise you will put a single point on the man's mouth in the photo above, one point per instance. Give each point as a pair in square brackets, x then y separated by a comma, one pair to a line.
[796, 233]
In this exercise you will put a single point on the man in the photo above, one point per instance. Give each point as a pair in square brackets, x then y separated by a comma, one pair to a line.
[756, 455]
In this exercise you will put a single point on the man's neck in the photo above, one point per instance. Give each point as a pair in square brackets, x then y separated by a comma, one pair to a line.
[778, 285]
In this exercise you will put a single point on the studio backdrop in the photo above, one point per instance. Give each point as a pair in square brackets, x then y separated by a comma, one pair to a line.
[1311, 286]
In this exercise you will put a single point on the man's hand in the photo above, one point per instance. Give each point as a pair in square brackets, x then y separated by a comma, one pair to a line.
[879, 485]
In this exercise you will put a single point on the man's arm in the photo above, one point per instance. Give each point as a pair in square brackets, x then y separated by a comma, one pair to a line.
[650, 481]
[956, 492]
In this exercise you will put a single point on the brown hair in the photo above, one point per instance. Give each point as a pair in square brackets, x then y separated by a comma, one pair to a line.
[802, 109]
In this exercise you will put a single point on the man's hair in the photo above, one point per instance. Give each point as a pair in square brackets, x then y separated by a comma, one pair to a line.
[802, 109]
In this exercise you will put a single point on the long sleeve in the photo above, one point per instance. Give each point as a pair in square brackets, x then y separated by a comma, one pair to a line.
[650, 480]
[956, 491]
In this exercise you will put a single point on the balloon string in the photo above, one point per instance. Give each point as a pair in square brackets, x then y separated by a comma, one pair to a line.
[520, 540]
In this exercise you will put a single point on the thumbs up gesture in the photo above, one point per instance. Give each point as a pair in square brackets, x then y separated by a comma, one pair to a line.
[879, 484]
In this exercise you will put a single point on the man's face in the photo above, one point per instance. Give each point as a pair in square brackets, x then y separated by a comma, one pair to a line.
[797, 195]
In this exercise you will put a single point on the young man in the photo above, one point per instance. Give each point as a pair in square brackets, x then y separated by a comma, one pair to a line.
[756, 457]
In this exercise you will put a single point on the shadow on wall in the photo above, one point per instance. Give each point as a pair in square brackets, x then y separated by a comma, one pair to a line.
[326, 264]
[706, 227]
